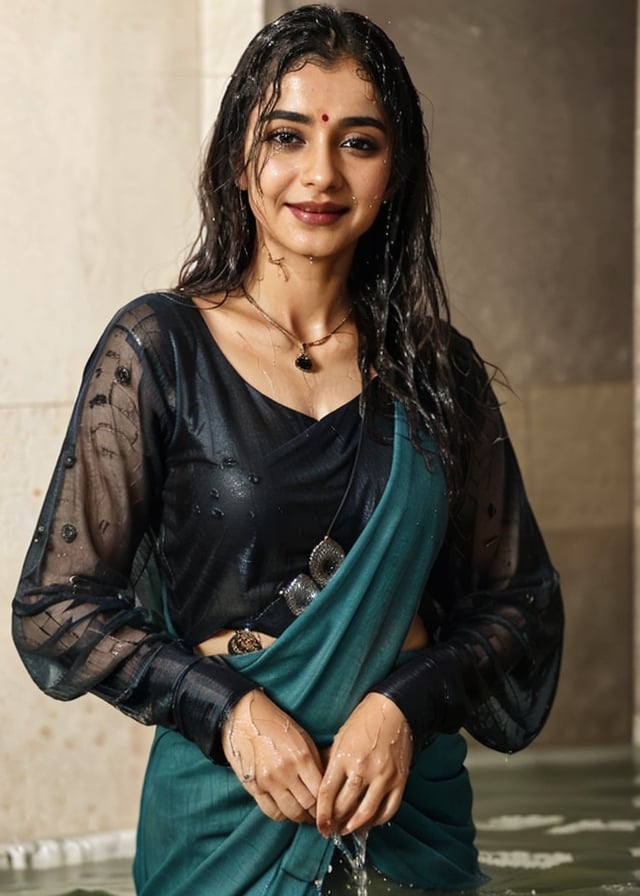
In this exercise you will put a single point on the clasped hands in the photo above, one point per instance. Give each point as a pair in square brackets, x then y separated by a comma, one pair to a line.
[354, 784]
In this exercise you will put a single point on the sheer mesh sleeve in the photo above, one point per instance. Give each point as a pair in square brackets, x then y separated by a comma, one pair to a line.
[78, 623]
[493, 606]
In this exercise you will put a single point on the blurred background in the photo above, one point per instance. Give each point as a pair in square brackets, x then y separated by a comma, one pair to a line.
[531, 108]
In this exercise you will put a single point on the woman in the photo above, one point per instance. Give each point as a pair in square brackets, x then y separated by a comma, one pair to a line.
[287, 526]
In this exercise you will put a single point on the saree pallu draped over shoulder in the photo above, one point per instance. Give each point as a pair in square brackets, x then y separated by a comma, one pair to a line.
[201, 833]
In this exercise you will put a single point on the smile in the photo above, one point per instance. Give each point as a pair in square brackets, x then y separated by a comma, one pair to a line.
[317, 213]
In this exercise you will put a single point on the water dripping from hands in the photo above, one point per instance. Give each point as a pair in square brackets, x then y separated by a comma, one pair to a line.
[356, 860]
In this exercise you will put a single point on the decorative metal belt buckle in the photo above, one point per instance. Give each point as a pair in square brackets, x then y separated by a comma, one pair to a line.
[244, 641]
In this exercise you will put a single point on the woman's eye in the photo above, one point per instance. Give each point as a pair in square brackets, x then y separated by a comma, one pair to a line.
[363, 144]
[282, 138]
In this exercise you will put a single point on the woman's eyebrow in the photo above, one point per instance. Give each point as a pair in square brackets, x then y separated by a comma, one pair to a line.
[351, 121]
[363, 121]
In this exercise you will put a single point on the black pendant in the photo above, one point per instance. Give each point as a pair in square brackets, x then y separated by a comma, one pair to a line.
[303, 362]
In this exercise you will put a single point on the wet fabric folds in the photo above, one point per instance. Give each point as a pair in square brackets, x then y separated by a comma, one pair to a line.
[318, 673]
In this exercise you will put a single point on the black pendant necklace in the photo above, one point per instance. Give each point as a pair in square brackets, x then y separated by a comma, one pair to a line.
[303, 361]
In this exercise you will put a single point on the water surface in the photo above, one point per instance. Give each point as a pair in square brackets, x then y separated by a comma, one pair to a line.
[561, 823]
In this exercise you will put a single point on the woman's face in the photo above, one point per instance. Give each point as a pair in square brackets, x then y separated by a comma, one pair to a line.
[323, 164]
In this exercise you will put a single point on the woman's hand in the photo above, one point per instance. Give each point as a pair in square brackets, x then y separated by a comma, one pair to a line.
[274, 758]
[367, 768]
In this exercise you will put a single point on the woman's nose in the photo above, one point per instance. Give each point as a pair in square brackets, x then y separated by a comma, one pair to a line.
[320, 166]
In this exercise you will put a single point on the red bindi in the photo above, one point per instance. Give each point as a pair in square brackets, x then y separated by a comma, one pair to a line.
[325, 117]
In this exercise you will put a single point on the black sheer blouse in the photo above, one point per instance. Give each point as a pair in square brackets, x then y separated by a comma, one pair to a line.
[183, 498]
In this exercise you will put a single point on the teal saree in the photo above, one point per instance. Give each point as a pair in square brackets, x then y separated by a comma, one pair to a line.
[201, 833]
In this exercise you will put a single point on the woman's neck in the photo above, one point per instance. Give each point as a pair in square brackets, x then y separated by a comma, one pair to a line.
[306, 295]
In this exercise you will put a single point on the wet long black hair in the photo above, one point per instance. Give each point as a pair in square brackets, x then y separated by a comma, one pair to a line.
[395, 282]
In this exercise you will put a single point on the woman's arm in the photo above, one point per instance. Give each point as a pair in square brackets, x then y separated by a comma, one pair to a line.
[493, 612]
[493, 604]
[78, 622]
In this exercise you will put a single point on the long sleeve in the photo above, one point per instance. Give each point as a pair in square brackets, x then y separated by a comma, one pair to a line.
[492, 606]
[79, 622]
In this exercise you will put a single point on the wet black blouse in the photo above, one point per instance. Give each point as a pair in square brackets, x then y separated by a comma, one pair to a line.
[183, 498]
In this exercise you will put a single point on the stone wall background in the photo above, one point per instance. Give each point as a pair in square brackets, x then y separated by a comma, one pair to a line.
[105, 105]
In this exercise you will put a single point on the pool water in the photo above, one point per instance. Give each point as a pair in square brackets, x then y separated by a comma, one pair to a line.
[561, 822]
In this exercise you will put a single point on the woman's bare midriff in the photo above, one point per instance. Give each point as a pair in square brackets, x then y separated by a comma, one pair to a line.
[218, 644]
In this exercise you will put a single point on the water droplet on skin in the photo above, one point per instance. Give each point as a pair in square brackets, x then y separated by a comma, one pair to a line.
[254, 478]
[217, 513]
[214, 493]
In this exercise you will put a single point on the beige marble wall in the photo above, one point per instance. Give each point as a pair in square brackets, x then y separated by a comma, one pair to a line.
[104, 107]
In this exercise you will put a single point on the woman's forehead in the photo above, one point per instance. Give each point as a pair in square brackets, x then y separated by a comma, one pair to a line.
[343, 86]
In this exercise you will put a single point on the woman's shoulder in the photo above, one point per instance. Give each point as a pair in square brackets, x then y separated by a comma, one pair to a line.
[154, 311]
[151, 332]
[474, 379]
[156, 323]
[466, 363]
[461, 347]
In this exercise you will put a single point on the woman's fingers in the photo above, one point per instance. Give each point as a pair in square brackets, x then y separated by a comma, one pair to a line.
[275, 759]
[278, 763]
[344, 798]
[358, 805]
[304, 797]
[388, 807]
[367, 768]
[283, 805]
[376, 807]
[292, 799]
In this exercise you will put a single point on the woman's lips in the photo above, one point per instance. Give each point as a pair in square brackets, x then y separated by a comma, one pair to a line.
[317, 213]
